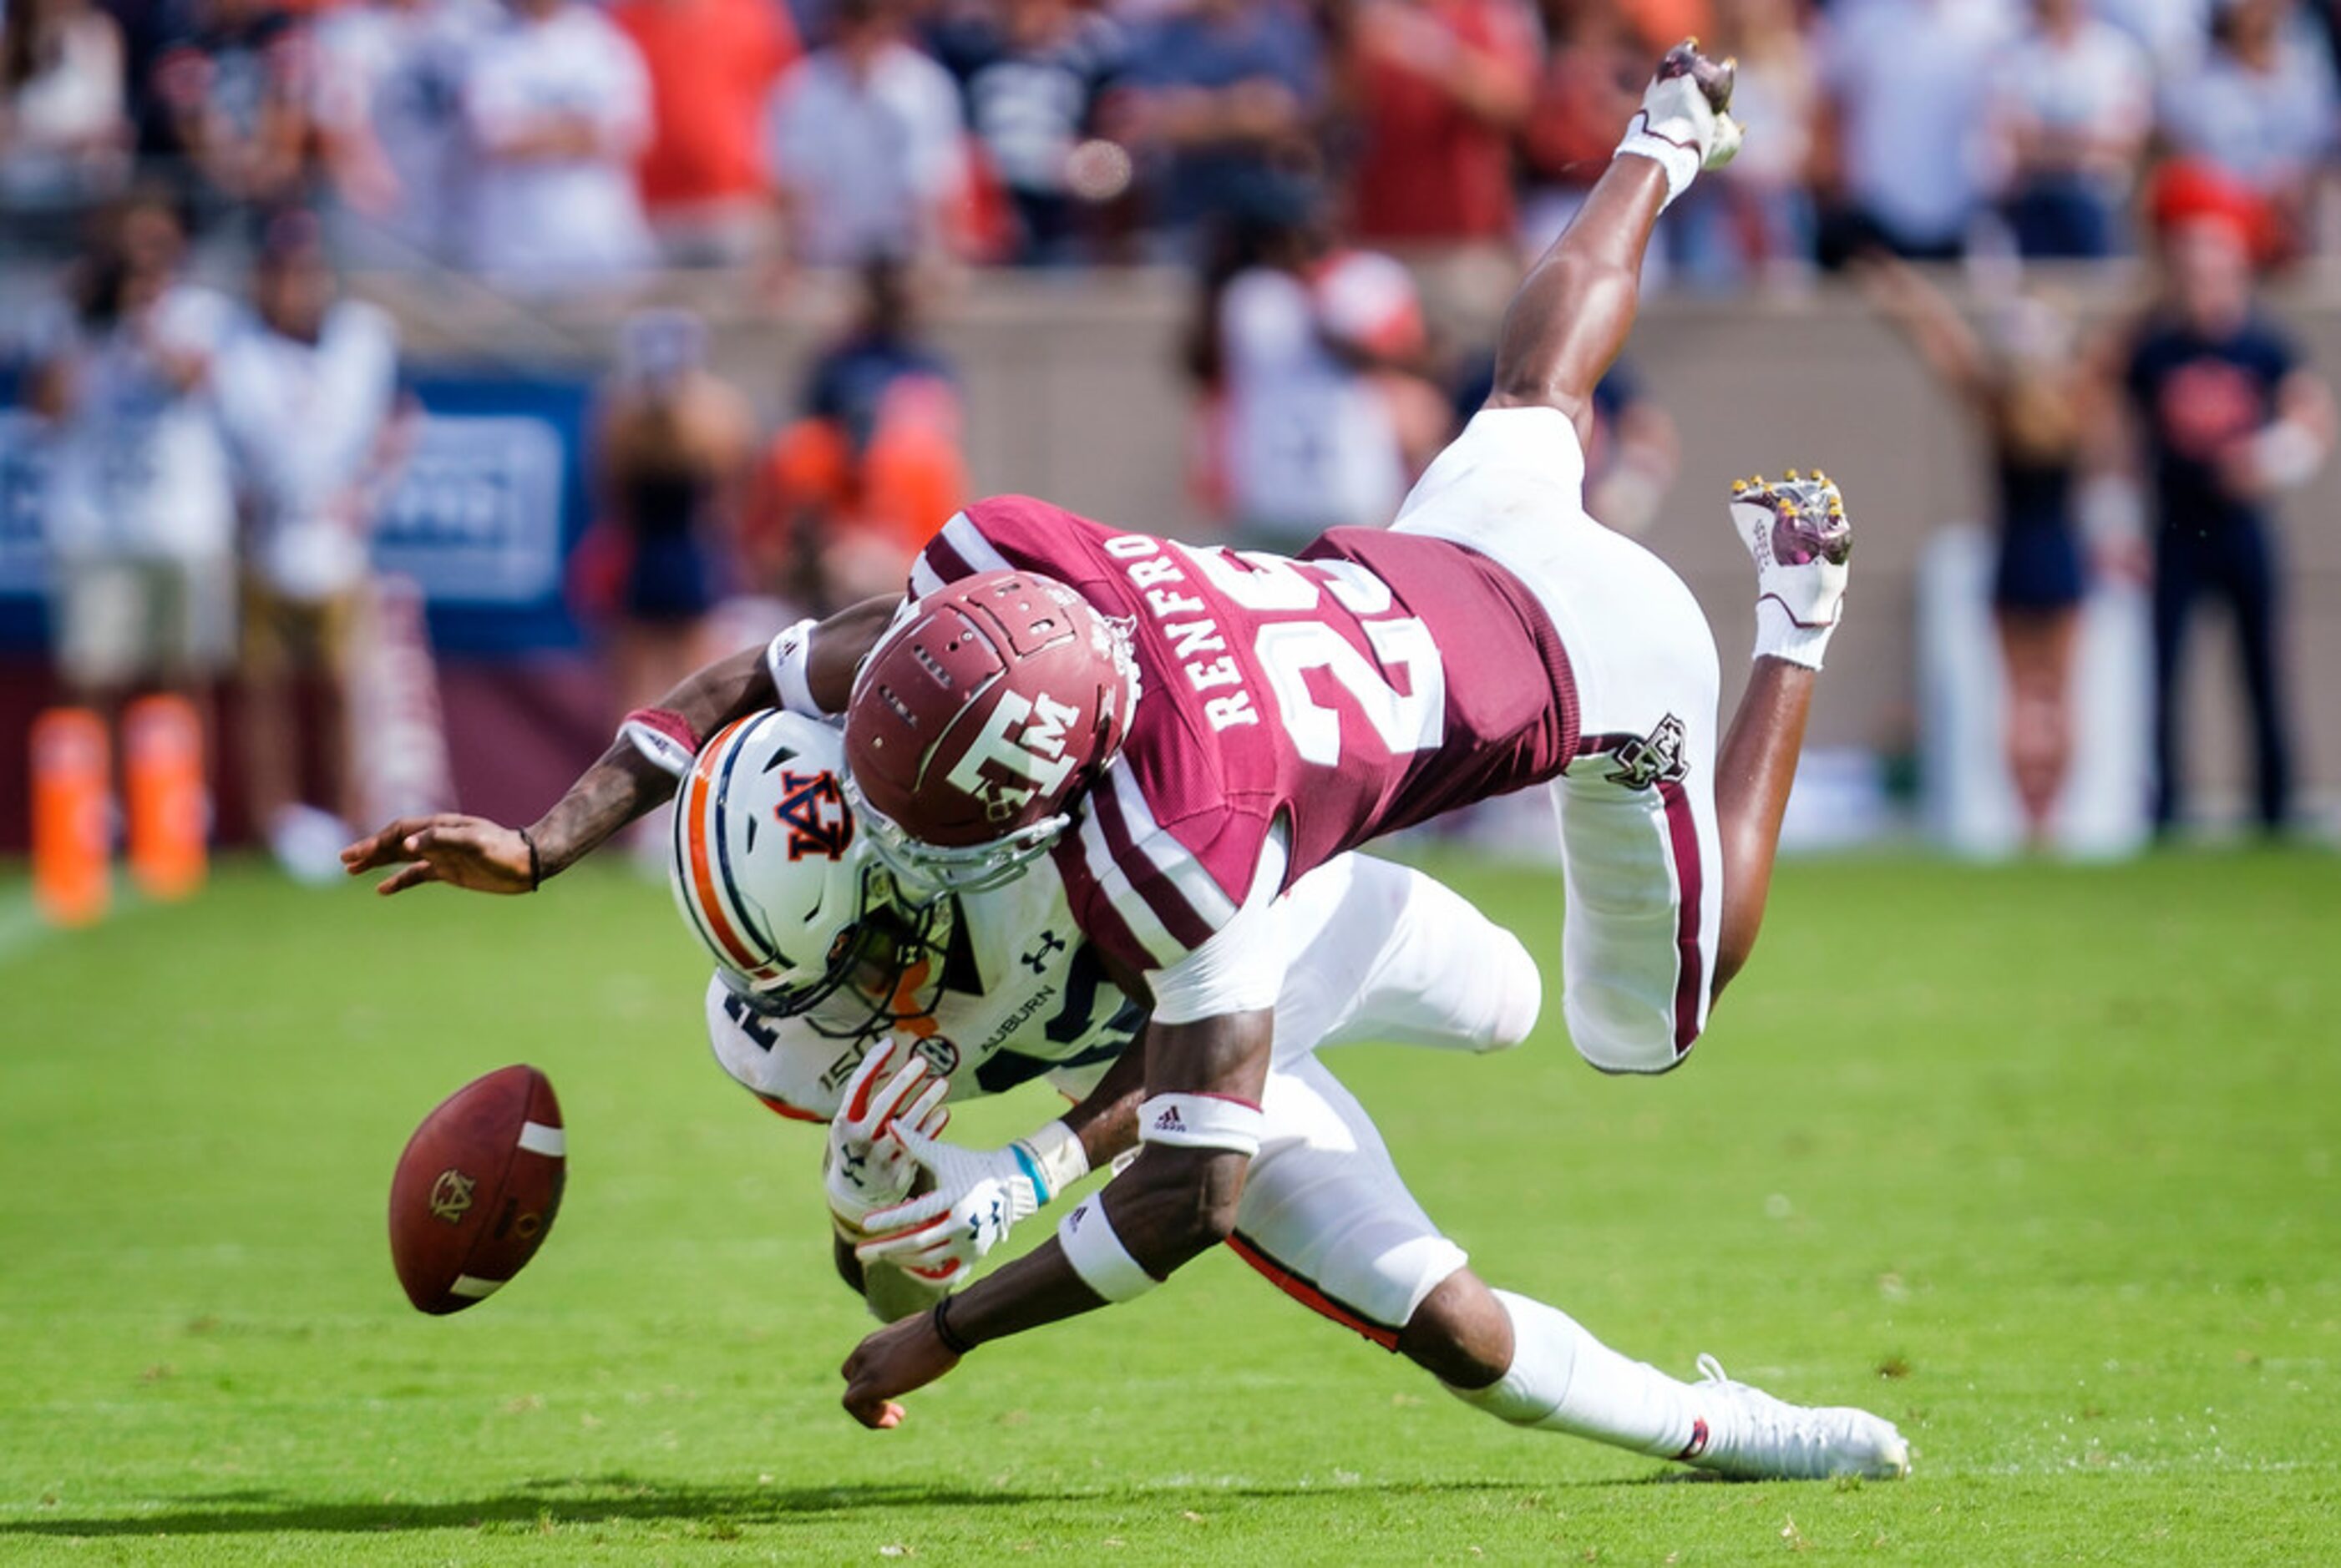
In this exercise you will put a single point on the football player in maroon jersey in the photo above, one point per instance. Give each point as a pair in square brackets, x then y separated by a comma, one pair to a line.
[1186, 732]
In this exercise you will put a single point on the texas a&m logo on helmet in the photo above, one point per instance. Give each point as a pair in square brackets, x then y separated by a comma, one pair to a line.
[992, 702]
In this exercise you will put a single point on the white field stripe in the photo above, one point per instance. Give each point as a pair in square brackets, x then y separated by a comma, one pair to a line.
[1204, 896]
[538, 1139]
[973, 549]
[471, 1287]
[1113, 884]
[24, 930]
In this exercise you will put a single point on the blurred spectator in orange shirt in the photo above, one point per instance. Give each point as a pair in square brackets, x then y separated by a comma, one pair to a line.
[856, 487]
[711, 64]
[1441, 87]
[1660, 25]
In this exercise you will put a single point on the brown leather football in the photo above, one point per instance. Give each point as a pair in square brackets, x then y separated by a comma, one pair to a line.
[476, 1190]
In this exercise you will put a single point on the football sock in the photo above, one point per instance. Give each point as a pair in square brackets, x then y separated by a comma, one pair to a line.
[1563, 1379]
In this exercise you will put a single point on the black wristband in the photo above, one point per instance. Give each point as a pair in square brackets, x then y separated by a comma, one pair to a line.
[952, 1340]
[535, 866]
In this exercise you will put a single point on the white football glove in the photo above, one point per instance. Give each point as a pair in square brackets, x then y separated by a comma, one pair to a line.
[865, 1168]
[1685, 125]
[1798, 532]
[978, 1196]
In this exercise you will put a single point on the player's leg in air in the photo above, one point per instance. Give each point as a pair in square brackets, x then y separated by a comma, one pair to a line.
[1669, 828]
[1326, 1216]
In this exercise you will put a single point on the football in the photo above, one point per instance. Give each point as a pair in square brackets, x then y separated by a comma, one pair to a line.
[476, 1190]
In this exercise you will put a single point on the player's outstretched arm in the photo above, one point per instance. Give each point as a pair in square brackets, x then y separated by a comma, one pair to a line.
[621, 785]
[1571, 318]
[1175, 1202]
[1797, 533]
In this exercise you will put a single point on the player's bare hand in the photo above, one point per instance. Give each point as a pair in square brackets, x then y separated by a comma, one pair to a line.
[461, 852]
[897, 1359]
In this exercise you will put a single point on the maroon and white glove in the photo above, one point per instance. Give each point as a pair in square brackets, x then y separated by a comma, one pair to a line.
[866, 1168]
[1798, 532]
[1685, 125]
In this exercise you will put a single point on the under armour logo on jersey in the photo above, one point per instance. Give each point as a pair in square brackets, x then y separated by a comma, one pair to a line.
[1656, 758]
[1037, 960]
[815, 812]
[1004, 772]
[1169, 1122]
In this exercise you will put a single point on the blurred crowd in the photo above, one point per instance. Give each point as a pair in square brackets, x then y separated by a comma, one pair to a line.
[562, 144]
[1354, 184]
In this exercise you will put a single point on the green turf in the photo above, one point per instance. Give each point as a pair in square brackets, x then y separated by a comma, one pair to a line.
[2040, 1163]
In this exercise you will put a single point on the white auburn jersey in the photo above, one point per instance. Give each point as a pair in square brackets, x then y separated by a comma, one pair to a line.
[1374, 950]
[1021, 995]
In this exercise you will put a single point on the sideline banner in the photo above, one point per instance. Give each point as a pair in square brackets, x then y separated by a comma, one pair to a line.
[491, 501]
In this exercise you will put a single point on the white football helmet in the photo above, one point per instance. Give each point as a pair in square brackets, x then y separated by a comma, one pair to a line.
[770, 870]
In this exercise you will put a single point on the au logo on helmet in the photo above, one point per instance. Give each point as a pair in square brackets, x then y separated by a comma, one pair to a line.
[1004, 771]
[815, 812]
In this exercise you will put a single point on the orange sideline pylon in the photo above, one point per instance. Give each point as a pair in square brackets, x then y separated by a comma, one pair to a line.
[163, 775]
[71, 874]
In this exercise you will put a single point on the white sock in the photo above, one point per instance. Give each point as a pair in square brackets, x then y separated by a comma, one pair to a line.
[1563, 1379]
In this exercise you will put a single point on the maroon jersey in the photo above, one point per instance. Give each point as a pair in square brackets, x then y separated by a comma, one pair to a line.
[1375, 683]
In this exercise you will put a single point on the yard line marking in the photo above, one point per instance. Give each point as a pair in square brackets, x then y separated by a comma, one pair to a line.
[24, 930]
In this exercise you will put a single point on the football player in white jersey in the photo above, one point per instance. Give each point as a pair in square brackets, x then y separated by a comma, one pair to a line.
[835, 1003]
[832, 1004]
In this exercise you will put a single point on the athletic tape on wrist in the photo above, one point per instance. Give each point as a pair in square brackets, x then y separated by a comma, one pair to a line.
[1193, 1121]
[786, 660]
[1097, 1255]
[1780, 635]
[662, 736]
[1680, 160]
[1052, 1158]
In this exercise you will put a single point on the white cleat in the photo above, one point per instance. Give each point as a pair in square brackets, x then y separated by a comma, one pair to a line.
[1752, 1436]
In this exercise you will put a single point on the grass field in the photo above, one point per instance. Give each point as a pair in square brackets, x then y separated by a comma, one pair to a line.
[2040, 1163]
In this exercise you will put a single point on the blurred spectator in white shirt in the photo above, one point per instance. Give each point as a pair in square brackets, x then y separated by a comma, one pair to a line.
[868, 156]
[1321, 418]
[307, 394]
[1908, 81]
[140, 519]
[2258, 104]
[63, 134]
[390, 114]
[2173, 32]
[2072, 102]
[558, 106]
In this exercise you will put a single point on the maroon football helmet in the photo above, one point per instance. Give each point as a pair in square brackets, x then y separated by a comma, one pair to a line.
[986, 706]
